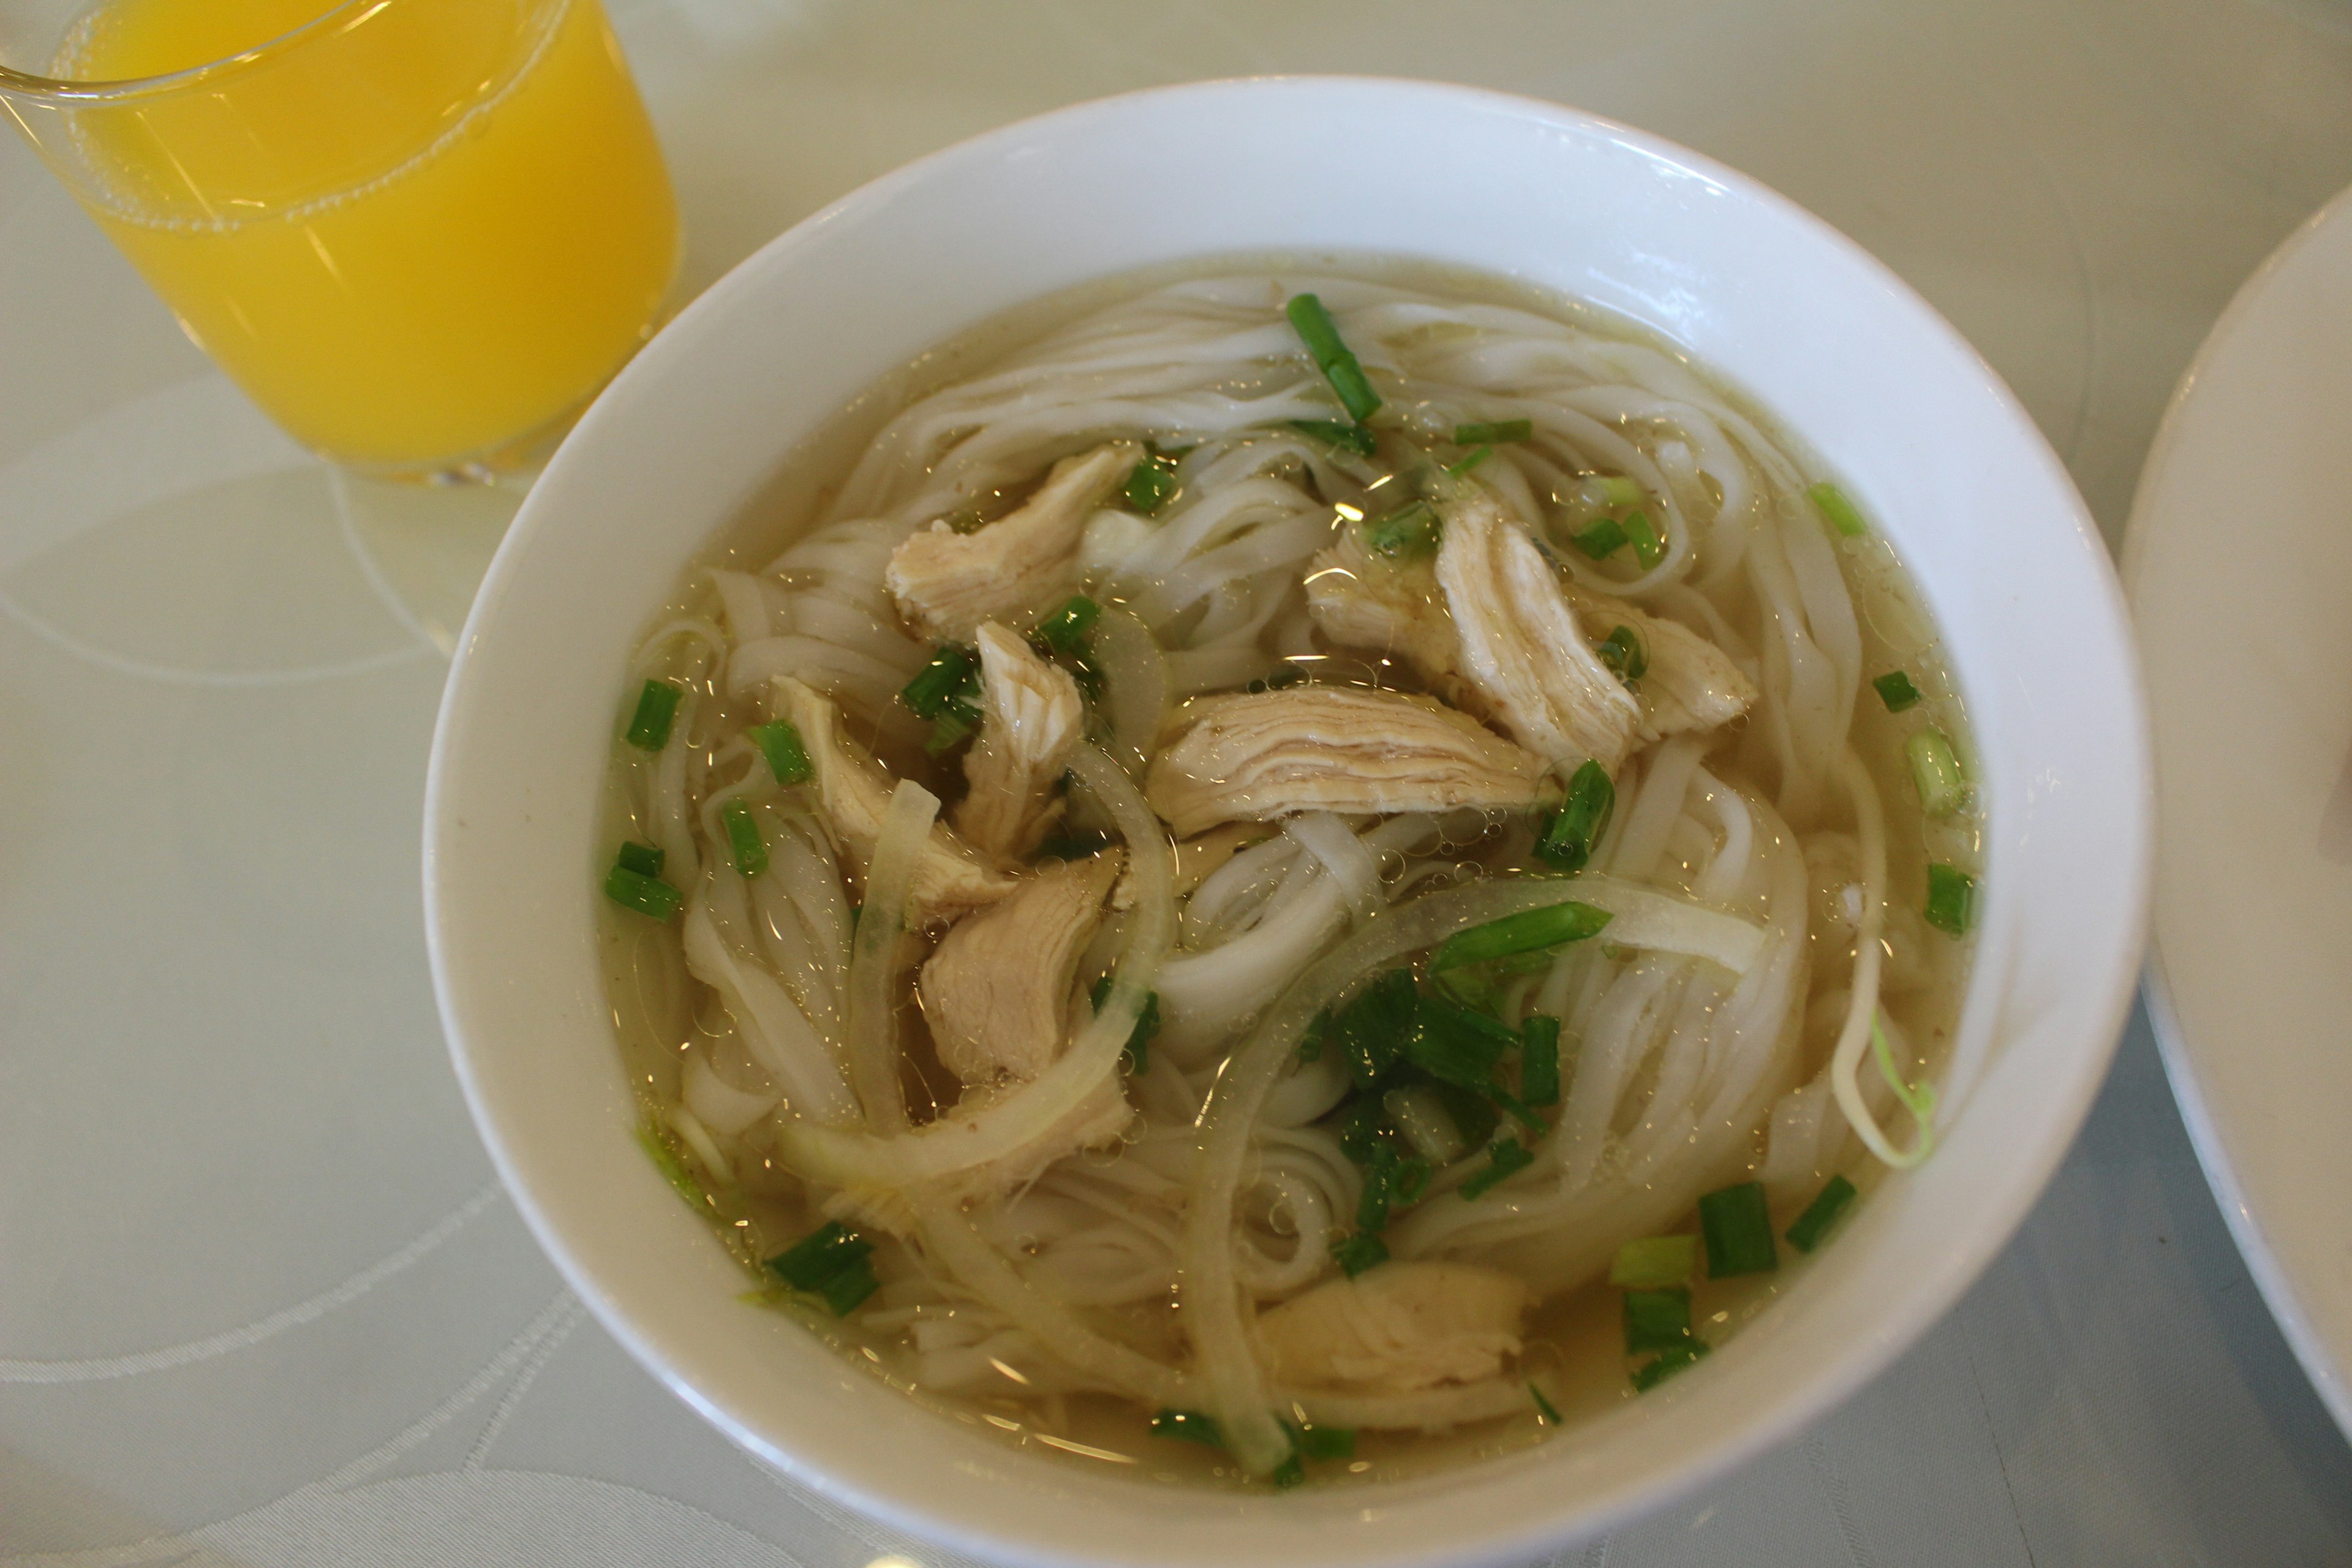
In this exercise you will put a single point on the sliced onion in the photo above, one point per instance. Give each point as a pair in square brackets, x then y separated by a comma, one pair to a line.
[1134, 686]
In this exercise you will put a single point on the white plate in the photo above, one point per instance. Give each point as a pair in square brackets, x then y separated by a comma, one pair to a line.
[2239, 564]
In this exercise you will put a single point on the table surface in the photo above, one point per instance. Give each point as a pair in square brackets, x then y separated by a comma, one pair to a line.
[262, 1302]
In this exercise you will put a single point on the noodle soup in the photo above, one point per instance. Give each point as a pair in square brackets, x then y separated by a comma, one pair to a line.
[1279, 874]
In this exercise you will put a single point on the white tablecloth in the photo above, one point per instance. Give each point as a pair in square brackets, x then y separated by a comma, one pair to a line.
[261, 1298]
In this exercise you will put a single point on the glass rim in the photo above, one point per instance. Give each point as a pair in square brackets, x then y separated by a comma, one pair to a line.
[337, 17]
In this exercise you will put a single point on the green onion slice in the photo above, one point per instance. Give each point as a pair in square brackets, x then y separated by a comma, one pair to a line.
[1826, 1209]
[1603, 540]
[1503, 1160]
[1951, 899]
[832, 1262]
[1736, 1224]
[1575, 830]
[1494, 432]
[1409, 531]
[1473, 460]
[1358, 1252]
[1148, 485]
[1539, 1059]
[1657, 1320]
[744, 838]
[1895, 689]
[1066, 628]
[646, 895]
[1339, 433]
[1522, 932]
[1316, 1442]
[1665, 1363]
[657, 706]
[1936, 771]
[1544, 1411]
[779, 742]
[643, 859]
[1314, 328]
[1187, 1426]
[952, 670]
[1654, 1261]
[1618, 491]
[1649, 545]
[1840, 513]
[1622, 652]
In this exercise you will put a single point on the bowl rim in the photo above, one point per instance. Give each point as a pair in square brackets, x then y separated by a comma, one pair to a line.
[2110, 986]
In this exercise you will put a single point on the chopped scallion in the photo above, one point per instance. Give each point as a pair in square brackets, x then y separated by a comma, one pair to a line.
[657, 706]
[779, 742]
[1358, 1252]
[1411, 1180]
[1665, 1363]
[1522, 932]
[1936, 770]
[1321, 1442]
[951, 729]
[832, 1262]
[1823, 1213]
[1951, 899]
[1539, 1059]
[1657, 1320]
[643, 859]
[1459, 468]
[1373, 1029]
[1622, 652]
[1290, 1473]
[743, 838]
[1620, 492]
[1737, 1224]
[1410, 530]
[1148, 485]
[1603, 540]
[1066, 628]
[1654, 1261]
[1834, 506]
[1575, 830]
[1895, 689]
[1339, 433]
[646, 895]
[1649, 545]
[952, 669]
[1544, 1411]
[1494, 432]
[1187, 1426]
[1457, 1046]
[1321, 336]
[1503, 1159]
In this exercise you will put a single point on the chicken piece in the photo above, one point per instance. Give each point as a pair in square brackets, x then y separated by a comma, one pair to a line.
[997, 991]
[854, 791]
[1396, 1328]
[946, 582]
[1690, 684]
[1363, 600]
[1262, 755]
[1522, 646]
[1032, 722]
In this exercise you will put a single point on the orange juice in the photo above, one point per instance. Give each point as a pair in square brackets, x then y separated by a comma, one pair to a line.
[416, 231]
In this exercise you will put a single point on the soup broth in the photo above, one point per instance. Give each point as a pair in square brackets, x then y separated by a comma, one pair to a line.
[1438, 908]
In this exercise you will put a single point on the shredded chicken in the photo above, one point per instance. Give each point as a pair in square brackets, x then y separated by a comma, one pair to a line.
[1396, 1328]
[997, 991]
[1363, 600]
[1689, 684]
[946, 584]
[1261, 755]
[1522, 646]
[854, 791]
[1032, 721]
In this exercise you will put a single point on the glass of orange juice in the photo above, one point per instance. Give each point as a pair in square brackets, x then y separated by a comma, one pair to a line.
[420, 233]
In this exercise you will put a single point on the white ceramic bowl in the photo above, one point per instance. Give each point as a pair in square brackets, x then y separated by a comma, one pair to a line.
[1927, 439]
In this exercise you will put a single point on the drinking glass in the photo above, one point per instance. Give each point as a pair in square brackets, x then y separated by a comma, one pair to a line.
[420, 233]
